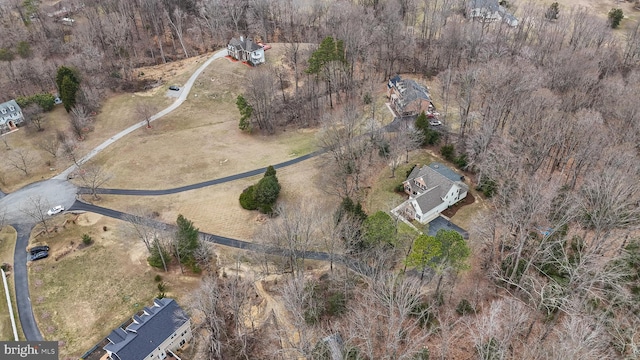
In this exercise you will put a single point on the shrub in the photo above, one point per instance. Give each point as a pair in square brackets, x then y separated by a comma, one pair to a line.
[488, 187]
[615, 17]
[461, 161]
[158, 278]
[464, 308]
[448, 152]
[247, 199]
[104, 228]
[336, 304]
[86, 239]
[399, 188]
[266, 191]
[162, 288]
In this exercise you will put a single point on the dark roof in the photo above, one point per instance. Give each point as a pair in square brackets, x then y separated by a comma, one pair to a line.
[445, 171]
[491, 5]
[245, 44]
[140, 339]
[394, 80]
[409, 91]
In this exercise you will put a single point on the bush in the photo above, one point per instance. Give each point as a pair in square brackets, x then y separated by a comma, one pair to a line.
[158, 278]
[488, 187]
[266, 191]
[247, 199]
[615, 17]
[448, 152]
[155, 259]
[162, 288]
[399, 188]
[86, 239]
[336, 304]
[464, 308]
[461, 161]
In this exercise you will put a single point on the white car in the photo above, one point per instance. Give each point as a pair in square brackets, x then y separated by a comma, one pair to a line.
[435, 123]
[54, 210]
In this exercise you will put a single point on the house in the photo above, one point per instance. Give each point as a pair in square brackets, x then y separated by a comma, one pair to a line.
[407, 97]
[432, 189]
[10, 115]
[490, 10]
[155, 333]
[246, 50]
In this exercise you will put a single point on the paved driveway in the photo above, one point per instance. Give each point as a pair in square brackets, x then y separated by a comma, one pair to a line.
[442, 223]
[23, 300]
[53, 192]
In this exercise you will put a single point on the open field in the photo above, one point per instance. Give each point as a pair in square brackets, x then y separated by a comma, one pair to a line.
[80, 294]
[7, 245]
[116, 114]
[200, 140]
[216, 209]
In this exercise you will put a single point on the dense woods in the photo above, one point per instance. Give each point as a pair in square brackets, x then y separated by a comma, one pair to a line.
[544, 112]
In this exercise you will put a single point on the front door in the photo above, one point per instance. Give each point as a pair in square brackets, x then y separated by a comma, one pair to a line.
[11, 125]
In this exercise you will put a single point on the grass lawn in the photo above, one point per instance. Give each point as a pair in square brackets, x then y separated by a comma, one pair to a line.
[216, 209]
[80, 294]
[7, 246]
[382, 195]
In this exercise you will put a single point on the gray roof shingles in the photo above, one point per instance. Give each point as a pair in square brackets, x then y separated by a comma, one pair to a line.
[445, 171]
[438, 179]
[157, 327]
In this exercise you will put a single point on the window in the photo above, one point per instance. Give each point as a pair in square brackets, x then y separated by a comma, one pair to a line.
[4, 111]
[11, 108]
[183, 342]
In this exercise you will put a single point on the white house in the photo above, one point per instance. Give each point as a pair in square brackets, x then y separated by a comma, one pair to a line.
[490, 10]
[246, 50]
[432, 189]
[153, 335]
[10, 115]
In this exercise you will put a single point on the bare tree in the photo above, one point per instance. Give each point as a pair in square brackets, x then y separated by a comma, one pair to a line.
[208, 303]
[177, 20]
[260, 94]
[78, 121]
[22, 159]
[33, 116]
[93, 176]
[141, 225]
[146, 110]
[50, 144]
[293, 233]
[36, 208]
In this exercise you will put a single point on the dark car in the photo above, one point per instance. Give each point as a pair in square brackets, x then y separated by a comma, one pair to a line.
[38, 255]
[37, 249]
[174, 88]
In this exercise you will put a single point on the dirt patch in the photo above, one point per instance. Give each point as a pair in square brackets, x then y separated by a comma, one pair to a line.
[468, 200]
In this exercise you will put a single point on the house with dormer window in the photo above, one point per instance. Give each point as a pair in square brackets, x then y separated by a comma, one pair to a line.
[10, 115]
[155, 333]
[432, 189]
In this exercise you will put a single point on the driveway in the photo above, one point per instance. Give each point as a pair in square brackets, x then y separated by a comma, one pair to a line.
[23, 300]
[52, 192]
[442, 223]
[184, 92]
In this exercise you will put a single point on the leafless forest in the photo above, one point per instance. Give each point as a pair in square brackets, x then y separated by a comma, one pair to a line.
[545, 112]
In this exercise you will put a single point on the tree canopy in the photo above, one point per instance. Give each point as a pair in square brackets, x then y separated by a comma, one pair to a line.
[379, 228]
[245, 113]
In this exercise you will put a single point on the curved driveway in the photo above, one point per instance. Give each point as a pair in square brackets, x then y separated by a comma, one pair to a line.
[186, 88]
[55, 191]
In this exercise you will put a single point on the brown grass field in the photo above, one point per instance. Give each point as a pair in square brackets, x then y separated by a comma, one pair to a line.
[80, 294]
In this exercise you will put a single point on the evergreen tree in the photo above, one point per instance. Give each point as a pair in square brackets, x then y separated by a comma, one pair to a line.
[245, 113]
[429, 136]
[68, 92]
[186, 243]
[615, 17]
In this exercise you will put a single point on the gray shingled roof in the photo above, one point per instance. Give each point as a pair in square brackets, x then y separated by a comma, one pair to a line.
[431, 179]
[245, 44]
[10, 114]
[430, 198]
[445, 171]
[410, 91]
[163, 320]
[491, 5]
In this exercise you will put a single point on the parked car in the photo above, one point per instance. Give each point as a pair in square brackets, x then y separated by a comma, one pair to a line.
[174, 88]
[38, 255]
[54, 210]
[435, 123]
[37, 249]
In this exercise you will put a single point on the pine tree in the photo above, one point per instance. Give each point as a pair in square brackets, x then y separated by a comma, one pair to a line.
[245, 113]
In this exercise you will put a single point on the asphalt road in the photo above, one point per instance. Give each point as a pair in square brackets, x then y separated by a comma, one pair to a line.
[52, 193]
[235, 243]
[203, 184]
[25, 312]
